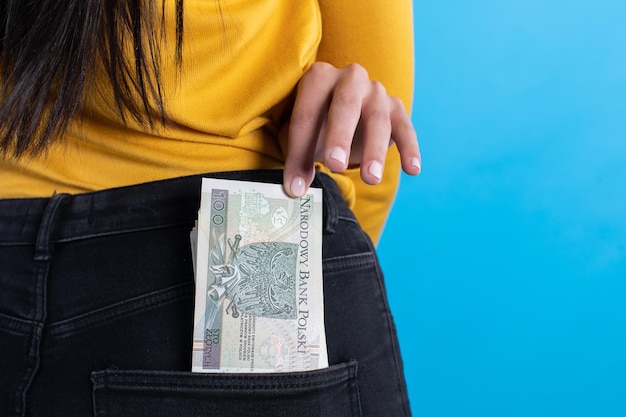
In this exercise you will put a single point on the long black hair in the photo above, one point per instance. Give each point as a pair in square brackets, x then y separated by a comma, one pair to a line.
[49, 50]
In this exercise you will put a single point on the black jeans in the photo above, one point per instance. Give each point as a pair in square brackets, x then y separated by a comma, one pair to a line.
[96, 313]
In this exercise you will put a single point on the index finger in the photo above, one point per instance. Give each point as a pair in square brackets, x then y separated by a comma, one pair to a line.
[307, 119]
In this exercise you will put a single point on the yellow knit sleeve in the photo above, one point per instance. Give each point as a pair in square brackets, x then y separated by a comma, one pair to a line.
[379, 36]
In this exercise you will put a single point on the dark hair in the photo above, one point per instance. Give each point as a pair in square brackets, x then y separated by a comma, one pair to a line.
[49, 50]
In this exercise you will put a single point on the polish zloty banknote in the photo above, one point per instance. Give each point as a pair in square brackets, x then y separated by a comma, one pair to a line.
[259, 296]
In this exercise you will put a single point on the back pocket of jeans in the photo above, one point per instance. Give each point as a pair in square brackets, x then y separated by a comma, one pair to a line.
[320, 393]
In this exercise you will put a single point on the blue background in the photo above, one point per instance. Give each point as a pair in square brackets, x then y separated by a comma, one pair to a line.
[506, 259]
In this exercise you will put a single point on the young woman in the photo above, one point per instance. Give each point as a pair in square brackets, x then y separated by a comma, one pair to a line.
[111, 112]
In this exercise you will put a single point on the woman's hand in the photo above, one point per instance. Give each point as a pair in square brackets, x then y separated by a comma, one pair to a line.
[342, 118]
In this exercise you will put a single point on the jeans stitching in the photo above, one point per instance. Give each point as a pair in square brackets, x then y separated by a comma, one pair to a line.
[395, 348]
[16, 326]
[43, 251]
[354, 391]
[137, 380]
[32, 364]
[188, 223]
[122, 309]
[351, 262]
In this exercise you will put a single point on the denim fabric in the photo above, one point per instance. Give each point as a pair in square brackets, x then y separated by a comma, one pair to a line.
[96, 313]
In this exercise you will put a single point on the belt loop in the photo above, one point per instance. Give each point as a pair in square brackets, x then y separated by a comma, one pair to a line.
[331, 214]
[43, 248]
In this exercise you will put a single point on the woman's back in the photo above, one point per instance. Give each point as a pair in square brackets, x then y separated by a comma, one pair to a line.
[239, 62]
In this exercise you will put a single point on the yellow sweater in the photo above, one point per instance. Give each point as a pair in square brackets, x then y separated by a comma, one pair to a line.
[241, 60]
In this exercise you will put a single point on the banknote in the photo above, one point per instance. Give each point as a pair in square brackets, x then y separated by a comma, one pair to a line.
[259, 303]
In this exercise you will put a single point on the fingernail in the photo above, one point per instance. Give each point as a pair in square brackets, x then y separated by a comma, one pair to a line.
[297, 187]
[338, 154]
[417, 164]
[376, 169]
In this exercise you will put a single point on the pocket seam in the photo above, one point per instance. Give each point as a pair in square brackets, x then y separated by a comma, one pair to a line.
[140, 380]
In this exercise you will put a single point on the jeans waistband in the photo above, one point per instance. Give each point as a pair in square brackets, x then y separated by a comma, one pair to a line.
[162, 203]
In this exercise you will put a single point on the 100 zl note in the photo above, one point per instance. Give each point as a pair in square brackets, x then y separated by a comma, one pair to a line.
[259, 293]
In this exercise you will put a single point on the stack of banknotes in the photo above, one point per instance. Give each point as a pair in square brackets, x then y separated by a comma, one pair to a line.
[259, 303]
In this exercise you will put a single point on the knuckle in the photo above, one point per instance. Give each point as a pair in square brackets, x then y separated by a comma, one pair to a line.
[378, 88]
[321, 70]
[357, 71]
[396, 103]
